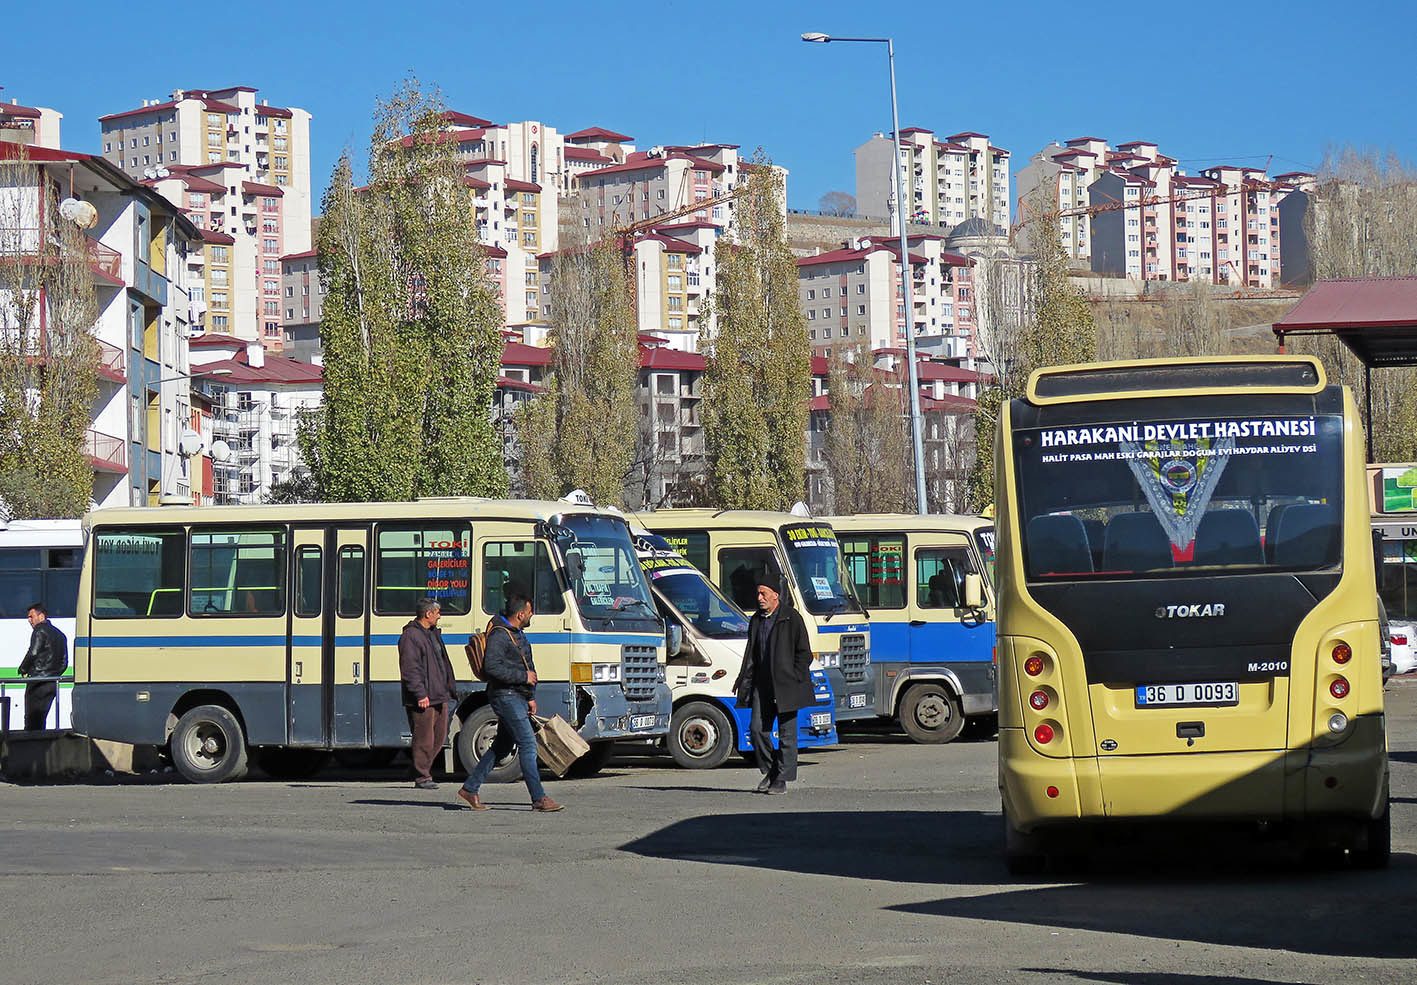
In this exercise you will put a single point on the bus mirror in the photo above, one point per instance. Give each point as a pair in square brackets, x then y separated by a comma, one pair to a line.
[674, 641]
[973, 592]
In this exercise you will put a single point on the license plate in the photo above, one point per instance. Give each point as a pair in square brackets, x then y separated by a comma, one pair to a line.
[638, 722]
[856, 701]
[821, 719]
[1171, 695]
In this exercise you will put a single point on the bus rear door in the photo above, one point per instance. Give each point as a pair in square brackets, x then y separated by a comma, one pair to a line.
[348, 643]
[307, 694]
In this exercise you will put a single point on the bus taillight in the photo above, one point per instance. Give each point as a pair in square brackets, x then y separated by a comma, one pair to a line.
[1044, 734]
[1342, 653]
[1038, 700]
[1339, 687]
[1033, 666]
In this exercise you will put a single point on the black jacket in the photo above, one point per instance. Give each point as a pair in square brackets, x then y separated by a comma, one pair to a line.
[507, 660]
[790, 658]
[424, 666]
[48, 655]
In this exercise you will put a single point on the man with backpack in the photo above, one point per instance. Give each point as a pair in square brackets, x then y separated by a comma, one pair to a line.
[510, 673]
[429, 686]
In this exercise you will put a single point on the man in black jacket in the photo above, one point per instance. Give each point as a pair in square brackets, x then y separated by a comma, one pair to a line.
[511, 691]
[429, 686]
[775, 680]
[48, 656]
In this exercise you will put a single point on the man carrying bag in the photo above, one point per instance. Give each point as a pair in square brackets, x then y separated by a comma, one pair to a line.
[510, 673]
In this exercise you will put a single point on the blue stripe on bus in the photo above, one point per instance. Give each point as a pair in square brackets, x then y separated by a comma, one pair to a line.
[850, 628]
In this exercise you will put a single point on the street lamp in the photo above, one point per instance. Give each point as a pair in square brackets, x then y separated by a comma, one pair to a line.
[899, 184]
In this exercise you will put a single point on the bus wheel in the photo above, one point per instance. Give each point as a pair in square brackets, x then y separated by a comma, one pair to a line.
[208, 746]
[1376, 848]
[592, 762]
[700, 736]
[929, 714]
[475, 737]
[1023, 853]
[291, 764]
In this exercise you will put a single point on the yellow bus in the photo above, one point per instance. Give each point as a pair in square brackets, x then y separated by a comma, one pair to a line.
[1188, 626]
[731, 547]
[212, 630]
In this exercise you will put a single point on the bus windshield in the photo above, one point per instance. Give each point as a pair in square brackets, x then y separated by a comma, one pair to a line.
[984, 537]
[1162, 498]
[604, 572]
[712, 614]
[815, 557]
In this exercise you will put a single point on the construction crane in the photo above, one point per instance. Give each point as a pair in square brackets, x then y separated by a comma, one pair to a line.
[625, 235]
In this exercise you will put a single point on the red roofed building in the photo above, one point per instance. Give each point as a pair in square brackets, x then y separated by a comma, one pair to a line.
[951, 181]
[33, 126]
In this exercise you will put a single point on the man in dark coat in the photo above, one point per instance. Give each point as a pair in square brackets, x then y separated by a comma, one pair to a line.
[775, 680]
[48, 656]
[511, 691]
[429, 686]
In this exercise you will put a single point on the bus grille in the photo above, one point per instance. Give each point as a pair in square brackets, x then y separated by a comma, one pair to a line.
[854, 658]
[639, 672]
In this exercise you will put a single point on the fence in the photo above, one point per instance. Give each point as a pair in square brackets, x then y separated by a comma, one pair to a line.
[12, 695]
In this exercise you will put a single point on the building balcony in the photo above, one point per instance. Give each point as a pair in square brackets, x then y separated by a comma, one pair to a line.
[106, 263]
[111, 363]
[105, 452]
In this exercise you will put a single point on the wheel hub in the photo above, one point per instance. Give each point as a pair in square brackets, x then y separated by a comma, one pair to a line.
[698, 736]
[932, 712]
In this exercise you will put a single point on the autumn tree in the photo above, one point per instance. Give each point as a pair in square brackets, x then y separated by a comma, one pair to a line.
[867, 443]
[759, 374]
[1360, 223]
[581, 433]
[48, 352]
[1192, 326]
[1056, 329]
[837, 203]
[411, 330]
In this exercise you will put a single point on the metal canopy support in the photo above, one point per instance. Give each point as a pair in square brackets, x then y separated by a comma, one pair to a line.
[1368, 400]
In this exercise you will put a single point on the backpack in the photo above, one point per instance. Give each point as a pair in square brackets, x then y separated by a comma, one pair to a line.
[476, 649]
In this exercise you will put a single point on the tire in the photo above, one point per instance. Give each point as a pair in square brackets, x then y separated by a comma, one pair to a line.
[473, 738]
[1023, 853]
[208, 745]
[700, 736]
[930, 714]
[1376, 849]
[280, 763]
[592, 762]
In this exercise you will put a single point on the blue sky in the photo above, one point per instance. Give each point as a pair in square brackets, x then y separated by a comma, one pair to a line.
[1209, 83]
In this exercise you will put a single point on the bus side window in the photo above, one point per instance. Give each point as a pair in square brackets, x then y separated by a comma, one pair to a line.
[876, 568]
[422, 560]
[351, 583]
[740, 567]
[309, 575]
[939, 573]
[138, 573]
[527, 563]
[238, 572]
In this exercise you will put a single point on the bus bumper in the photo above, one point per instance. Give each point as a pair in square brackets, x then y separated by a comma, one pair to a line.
[1348, 779]
[607, 714]
[854, 700]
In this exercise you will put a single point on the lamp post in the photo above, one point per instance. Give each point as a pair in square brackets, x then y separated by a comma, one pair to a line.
[898, 182]
[144, 430]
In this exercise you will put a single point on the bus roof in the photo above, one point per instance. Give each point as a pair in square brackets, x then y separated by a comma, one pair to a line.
[945, 522]
[1209, 375]
[42, 533]
[429, 508]
[753, 519]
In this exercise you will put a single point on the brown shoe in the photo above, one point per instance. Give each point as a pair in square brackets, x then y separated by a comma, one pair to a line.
[546, 805]
[473, 800]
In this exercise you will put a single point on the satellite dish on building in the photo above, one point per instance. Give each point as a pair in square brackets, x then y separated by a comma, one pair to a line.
[221, 451]
[79, 212]
[189, 444]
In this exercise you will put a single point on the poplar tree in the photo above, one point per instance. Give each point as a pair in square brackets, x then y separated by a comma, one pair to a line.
[866, 448]
[411, 330]
[580, 433]
[759, 374]
[48, 352]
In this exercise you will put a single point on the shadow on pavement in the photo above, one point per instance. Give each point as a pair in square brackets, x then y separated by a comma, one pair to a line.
[1211, 888]
[1147, 977]
[389, 802]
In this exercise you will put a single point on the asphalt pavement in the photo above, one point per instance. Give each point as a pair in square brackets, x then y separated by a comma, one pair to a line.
[881, 865]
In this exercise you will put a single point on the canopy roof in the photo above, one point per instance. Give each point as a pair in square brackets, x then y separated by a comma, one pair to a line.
[1376, 317]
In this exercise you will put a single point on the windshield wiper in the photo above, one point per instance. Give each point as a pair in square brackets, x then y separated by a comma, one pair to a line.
[618, 607]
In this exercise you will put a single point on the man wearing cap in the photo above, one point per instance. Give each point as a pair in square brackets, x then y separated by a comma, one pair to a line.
[775, 680]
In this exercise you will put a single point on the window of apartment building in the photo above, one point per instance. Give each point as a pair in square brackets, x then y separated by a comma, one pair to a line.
[133, 144]
[279, 143]
[860, 309]
[812, 333]
[269, 245]
[843, 290]
[826, 312]
[218, 323]
[273, 287]
[272, 308]
[811, 294]
[290, 291]
[196, 200]
[843, 311]
[107, 146]
[675, 282]
[133, 163]
[676, 303]
[219, 299]
[219, 277]
[282, 179]
[826, 332]
[528, 239]
[270, 266]
[213, 157]
[531, 298]
[676, 323]
[269, 225]
[269, 203]
[281, 162]
[676, 261]
[219, 255]
[215, 140]
[811, 314]
[290, 314]
[198, 294]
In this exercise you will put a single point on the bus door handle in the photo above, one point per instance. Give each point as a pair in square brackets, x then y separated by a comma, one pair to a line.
[298, 671]
[917, 623]
[355, 671]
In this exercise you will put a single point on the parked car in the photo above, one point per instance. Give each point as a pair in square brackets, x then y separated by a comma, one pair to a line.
[1384, 640]
[1404, 653]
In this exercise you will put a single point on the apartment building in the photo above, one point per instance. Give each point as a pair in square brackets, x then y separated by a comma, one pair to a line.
[961, 177]
[137, 252]
[256, 412]
[852, 296]
[31, 126]
[303, 297]
[237, 167]
[592, 149]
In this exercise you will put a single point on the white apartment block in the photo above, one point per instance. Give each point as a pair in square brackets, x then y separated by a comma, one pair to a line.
[1131, 212]
[138, 253]
[950, 181]
[32, 126]
[851, 297]
[238, 168]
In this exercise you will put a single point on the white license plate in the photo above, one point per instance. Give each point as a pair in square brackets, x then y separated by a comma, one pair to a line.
[638, 722]
[821, 719]
[856, 701]
[1170, 695]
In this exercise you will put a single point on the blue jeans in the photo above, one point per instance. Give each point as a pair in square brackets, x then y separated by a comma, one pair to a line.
[513, 730]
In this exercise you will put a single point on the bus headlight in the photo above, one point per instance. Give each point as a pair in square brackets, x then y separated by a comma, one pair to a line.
[831, 658]
[605, 673]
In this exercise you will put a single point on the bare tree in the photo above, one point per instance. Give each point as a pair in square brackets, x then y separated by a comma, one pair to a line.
[866, 447]
[1192, 325]
[837, 203]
